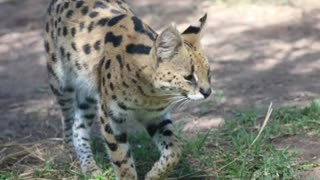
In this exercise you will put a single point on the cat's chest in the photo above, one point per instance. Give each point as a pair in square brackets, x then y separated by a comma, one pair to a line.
[143, 115]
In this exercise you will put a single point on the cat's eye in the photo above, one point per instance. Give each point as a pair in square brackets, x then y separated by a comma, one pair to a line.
[189, 77]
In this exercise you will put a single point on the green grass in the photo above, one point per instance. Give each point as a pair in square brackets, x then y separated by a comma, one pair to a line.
[223, 154]
[292, 121]
[8, 175]
[281, 2]
[228, 153]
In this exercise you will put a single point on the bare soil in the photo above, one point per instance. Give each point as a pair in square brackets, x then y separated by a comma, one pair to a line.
[258, 53]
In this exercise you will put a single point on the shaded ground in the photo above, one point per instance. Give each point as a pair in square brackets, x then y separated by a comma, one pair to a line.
[258, 54]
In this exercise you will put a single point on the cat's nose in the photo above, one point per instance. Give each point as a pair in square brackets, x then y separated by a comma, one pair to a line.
[205, 92]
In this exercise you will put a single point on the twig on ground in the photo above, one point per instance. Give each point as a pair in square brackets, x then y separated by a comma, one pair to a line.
[21, 159]
[12, 155]
[269, 112]
[266, 119]
[33, 154]
[31, 143]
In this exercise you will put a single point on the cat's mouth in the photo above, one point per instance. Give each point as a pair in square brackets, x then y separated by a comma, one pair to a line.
[195, 97]
[202, 94]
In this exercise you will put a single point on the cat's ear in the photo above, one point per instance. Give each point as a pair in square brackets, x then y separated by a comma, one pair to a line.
[194, 32]
[168, 43]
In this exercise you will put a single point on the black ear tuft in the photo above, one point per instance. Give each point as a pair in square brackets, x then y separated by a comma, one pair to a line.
[192, 30]
[203, 19]
[196, 29]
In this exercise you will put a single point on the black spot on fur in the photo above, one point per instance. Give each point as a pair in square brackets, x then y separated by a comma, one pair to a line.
[81, 26]
[59, 31]
[164, 123]
[85, 10]
[53, 58]
[91, 100]
[73, 45]
[84, 138]
[66, 5]
[58, 8]
[141, 91]
[128, 67]
[62, 52]
[46, 46]
[152, 129]
[103, 81]
[63, 102]
[119, 59]
[50, 7]
[138, 75]
[78, 65]
[113, 117]
[81, 126]
[101, 120]
[109, 76]
[167, 133]
[55, 24]
[122, 138]
[68, 56]
[79, 4]
[112, 146]
[108, 129]
[50, 71]
[115, 40]
[47, 27]
[69, 89]
[55, 91]
[84, 106]
[93, 14]
[119, 163]
[65, 31]
[86, 48]
[89, 116]
[138, 27]
[91, 26]
[100, 5]
[115, 11]
[115, 20]
[122, 106]
[69, 14]
[103, 21]
[101, 62]
[108, 63]
[125, 84]
[73, 31]
[111, 86]
[97, 45]
[138, 49]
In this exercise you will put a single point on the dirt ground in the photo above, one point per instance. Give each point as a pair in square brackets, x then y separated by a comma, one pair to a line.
[258, 53]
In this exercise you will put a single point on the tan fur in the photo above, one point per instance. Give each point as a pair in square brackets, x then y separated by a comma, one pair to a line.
[100, 53]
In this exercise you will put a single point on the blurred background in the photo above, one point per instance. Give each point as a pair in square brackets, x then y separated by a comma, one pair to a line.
[260, 51]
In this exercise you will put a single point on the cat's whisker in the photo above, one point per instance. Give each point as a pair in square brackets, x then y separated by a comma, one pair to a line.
[175, 103]
[185, 103]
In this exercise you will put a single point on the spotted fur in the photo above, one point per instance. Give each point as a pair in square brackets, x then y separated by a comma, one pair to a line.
[105, 63]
